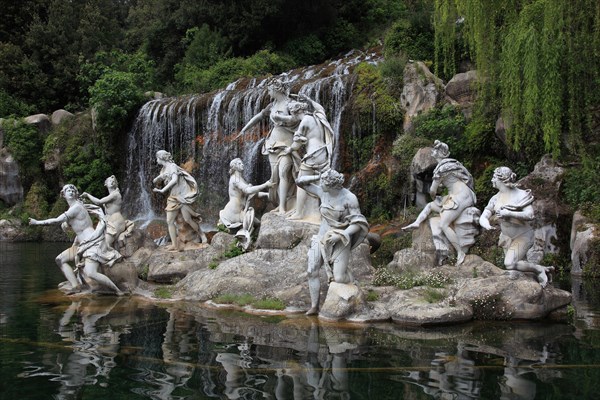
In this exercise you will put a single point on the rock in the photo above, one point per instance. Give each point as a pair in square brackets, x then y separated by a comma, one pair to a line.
[583, 234]
[421, 171]
[461, 89]
[52, 160]
[342, 300]
[124, 274]
[222, 241]
[171, 267]
[11, 189]
[40, 120]
[552, 217]
[501, 297]
[421, 91]
[277, 232]
[10, 230]
[59, 116]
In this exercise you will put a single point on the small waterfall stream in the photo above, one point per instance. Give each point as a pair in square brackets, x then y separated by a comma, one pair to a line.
[200, 132]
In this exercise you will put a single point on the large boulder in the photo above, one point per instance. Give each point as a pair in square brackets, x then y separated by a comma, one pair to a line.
[41, 121]
[552, 222]
[421, 171]
[421, 92]
[584, 235]
[462, 90]
[59, 116]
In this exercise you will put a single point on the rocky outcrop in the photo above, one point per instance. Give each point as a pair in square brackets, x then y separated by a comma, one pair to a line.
[59, 116]
[421, 92]
[461, 90]
[552, 217]
[421, 172]
[583, 236]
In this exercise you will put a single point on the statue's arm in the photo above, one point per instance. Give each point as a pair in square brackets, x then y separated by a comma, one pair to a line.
[60, 219]
[250, 189]
[484, 219]
[97, 201]
[169, 185]
[526, 214]
[434, 187]
[308, 183]
[254, 120]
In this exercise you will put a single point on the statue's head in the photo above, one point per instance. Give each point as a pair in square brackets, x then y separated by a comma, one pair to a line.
[440, 149]
[164, 156]
[332, 179]
[111, 181]
[278, 85]
[69, 188]
[236, 165]
[505, 175]
[296, 107]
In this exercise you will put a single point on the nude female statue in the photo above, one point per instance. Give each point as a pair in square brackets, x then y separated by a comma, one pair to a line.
[459, 182]
[315, 136]
[238, 214]
[183, 191]
[279, 138]
[512, 209]
[116, 224]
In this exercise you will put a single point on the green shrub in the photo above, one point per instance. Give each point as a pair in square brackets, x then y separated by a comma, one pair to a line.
[25, 144]
[269, 303]
[164, 292]
[390, 244]
[433, 295]
[238, 299]
[408, 280]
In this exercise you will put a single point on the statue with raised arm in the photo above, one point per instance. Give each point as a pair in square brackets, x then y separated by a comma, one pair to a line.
[279, 139]
[238, 215]
[457, 222]
[89, 248]
[315, 136]
[182, 192]
[512, 209]
[117, 227]
[343, 227]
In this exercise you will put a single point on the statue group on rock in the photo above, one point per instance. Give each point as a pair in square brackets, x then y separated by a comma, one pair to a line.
[303, 186]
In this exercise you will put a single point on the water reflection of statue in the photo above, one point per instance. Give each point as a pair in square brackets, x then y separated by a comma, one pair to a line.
[117, 227]
[512, 208]
[183, 191]
[280, 138]
[454, 209]
[238, 215]
[315, 136]
[89, 247]
[343, 227]
[94, 348]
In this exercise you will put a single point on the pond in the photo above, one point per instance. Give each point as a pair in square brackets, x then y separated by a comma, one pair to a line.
[52, 346]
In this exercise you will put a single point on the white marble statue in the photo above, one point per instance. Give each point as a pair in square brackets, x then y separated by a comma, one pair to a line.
[454, 209]
[314, 137]
[117, 227]
[238, 215]
[512, 209]
[182, 190]
[89, 248]
[279, 138]
[343, 227]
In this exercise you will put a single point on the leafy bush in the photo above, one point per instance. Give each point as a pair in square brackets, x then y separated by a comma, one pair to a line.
[580, 185]
[408, 280]
[25, 144]
[305, 50]
[196, 79]
[445, 123]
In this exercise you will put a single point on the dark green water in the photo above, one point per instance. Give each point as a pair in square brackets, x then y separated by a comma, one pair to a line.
[52, 346]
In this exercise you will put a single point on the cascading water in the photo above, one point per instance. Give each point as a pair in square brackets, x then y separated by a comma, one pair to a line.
[200, 132]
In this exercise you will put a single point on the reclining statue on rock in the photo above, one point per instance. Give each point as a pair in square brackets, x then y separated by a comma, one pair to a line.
[183, 191]
[89, 249]
[512, 209]
[238, 215]
[117, 227]
[343, 227]
[456, 226]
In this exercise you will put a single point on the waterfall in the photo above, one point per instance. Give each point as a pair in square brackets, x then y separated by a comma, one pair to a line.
[199, 131]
